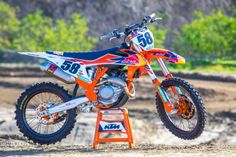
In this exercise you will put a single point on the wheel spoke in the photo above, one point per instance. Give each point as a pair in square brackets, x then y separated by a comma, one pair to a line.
[178, 120]
[33, 121]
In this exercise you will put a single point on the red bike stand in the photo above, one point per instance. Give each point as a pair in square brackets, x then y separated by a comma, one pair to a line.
[120, 126]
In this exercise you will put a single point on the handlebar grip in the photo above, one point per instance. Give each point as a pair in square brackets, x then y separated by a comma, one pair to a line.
[103, 37]
[106, 37]
[152, 15]
[112, 35]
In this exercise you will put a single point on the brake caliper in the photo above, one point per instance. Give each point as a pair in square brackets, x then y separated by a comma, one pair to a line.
[185, 107]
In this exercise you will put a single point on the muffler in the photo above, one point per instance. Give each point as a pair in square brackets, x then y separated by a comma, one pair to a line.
[56, 72]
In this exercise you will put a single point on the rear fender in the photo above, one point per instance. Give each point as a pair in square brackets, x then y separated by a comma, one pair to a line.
[34, 54]
[166, 55]
[56, 59]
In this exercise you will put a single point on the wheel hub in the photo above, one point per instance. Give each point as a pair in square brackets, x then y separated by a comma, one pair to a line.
[47, 119]
[185, 107]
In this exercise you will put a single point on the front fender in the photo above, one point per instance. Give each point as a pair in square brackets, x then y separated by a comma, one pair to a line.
[166, 55]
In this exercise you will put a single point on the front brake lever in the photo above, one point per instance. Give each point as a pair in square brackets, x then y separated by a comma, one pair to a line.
[156, 19]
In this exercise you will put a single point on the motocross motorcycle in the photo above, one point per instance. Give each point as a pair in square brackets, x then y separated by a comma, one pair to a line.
[46, 112]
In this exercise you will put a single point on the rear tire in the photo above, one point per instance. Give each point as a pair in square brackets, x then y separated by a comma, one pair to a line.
[195, 96]
[25, 128]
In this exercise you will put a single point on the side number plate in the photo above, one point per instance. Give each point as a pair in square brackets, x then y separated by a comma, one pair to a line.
[70, 66]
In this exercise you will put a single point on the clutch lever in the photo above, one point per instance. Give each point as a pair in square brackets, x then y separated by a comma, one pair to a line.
[117, 35]
[156, 19]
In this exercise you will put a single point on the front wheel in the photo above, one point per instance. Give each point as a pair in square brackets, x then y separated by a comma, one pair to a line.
[188, 121]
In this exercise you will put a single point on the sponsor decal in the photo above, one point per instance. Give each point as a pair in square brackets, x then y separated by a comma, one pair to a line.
[149, 47]
[67, 104]
[80, 72]
[52, 68]
[134, 34]
[83, 78]
[111, 126]
[22, 103]
[148, 68]
[112, 112]
[162, 93]
[133, 59]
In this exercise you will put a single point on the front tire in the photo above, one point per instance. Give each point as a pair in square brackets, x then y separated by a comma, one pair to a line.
[24, 105]
[199, 110]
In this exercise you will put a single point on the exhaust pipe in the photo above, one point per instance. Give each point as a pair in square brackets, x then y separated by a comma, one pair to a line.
[56, 72]
[65, 106]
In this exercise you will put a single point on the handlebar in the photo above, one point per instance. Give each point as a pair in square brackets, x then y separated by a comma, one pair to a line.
[117, 34]
[114, 34]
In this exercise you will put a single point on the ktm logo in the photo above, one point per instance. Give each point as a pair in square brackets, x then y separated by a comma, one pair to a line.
[111, 127]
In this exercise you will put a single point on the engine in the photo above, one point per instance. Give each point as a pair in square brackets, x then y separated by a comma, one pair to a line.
[109, 92]
[112, 89]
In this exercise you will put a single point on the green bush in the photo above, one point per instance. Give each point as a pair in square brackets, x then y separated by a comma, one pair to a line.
[38, 33]
[209, 36]
[8, 25]
[159, 36]
[35, 32]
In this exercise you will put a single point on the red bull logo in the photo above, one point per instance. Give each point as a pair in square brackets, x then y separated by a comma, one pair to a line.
[133, 59]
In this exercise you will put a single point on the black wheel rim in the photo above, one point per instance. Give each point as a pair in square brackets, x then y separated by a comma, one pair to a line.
[179, 121]
[30, 114]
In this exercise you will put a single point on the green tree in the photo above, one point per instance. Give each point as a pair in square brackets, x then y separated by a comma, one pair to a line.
[8, 25]
[39, 33]
[159, 36]
[208, 36]
[36, 32]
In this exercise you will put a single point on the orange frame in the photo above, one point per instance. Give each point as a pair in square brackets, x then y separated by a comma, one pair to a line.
[145, 58]
[90, 94]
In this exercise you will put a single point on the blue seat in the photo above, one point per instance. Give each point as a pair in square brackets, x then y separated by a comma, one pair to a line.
[92, 55]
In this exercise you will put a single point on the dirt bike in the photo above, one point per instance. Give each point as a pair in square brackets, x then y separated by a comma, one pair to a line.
[46, 112]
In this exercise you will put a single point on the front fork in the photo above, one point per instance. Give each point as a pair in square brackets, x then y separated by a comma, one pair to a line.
[165, 99]
[167, 74]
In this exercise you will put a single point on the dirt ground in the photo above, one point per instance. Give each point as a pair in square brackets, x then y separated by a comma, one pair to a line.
[150, 136]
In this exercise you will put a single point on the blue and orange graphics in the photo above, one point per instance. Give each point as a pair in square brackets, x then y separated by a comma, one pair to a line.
[109, 56]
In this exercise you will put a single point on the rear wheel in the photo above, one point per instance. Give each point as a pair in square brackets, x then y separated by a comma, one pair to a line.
[188, 121]
[47, 129]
